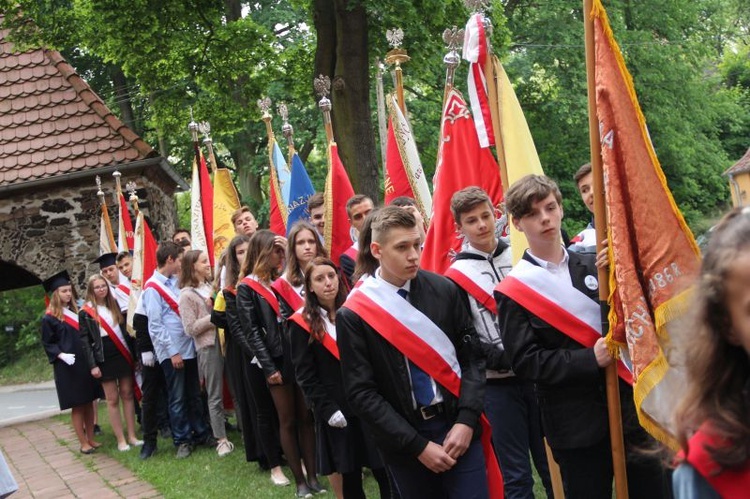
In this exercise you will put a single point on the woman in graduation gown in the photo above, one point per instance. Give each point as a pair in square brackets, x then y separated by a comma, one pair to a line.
[76, 388]
[109, 357]
[342, 447]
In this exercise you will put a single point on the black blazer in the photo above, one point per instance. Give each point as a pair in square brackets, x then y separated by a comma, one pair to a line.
[91, 339]
[376, 377]
[261, 327]
[318, 374]
[569, 383]
[233, 326]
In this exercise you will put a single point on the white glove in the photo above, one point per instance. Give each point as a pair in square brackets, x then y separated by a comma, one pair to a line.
[147, 359]
[68, 358]
[337, 420]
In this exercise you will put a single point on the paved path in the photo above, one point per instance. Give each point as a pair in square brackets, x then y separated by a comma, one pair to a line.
[44, 459]
[20, 403]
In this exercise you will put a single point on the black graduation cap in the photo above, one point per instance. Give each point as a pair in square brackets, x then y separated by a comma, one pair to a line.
[106, 260]
[60, 279]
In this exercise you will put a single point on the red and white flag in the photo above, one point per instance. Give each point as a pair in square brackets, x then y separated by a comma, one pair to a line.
[462, 162]
[404, 173]
[337, 192]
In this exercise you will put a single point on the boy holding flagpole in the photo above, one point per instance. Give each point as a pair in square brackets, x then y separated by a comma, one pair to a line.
[550, 322]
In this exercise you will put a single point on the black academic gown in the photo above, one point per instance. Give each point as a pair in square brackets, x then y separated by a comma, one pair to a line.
[75, 385]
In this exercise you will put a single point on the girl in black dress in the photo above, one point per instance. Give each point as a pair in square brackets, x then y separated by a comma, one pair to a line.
[259, 315]
[76, 389]
[109, 356]
[342, 447]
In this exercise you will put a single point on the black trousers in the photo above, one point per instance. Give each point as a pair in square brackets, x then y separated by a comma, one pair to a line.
[153, 403]
[587, 472]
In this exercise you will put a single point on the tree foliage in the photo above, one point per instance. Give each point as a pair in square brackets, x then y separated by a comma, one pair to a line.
[688, 58]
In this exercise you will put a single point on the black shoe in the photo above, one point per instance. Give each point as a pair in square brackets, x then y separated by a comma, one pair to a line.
[317, 488]
[148, 450]
[166, 433]
[97, 430]
[183, 451]
[209, 441]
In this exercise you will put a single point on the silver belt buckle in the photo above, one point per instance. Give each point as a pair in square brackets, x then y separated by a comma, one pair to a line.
[425, 416]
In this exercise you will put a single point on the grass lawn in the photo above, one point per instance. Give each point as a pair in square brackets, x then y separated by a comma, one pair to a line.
[31, 367]
[203, 474]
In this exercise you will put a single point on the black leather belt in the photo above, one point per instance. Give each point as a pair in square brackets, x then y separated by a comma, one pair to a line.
[430, 411]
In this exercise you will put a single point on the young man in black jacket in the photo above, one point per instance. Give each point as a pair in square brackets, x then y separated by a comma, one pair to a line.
[410, 370]
[550, 322]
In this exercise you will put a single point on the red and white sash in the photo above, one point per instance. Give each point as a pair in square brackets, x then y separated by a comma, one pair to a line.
[167, 295]
[69, 317]
[461, 275]
[563, 307]
[124, 351]
[124, 289]
[352, 251]
[263, 291]
[418, 338]
[329, 338]
[286, 291]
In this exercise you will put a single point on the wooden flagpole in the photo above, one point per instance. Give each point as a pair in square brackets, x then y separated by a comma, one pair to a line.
[397, 56]
[105, 214]
[600, 223]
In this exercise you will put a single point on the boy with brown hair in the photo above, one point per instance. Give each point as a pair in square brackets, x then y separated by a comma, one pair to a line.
[550, 322]
[509, 402]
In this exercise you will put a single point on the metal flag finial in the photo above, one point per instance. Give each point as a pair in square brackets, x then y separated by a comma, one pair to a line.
[204, 127]
[322, 86]
[264, 105]
[131, 188]
[454, 39]
[286, 129]
[99, 191]
[395, 37]
[476, 5]
[193, 126]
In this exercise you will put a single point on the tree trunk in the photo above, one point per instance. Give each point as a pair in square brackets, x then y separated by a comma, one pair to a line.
[122, 94]
[342, 54]
[248, 181]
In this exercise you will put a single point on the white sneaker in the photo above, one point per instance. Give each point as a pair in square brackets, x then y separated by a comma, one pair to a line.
[136, 443]
[225, 447]
[123, 448]
[279, 479]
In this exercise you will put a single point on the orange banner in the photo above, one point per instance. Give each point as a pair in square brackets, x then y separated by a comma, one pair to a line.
[655, 257]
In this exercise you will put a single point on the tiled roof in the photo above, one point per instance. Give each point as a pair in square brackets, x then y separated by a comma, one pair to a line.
[743, 165]
[52, 123]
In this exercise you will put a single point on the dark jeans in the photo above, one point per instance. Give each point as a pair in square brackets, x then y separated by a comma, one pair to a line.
[185, 405]
[154, 414]
[466, 480]
[511, 407]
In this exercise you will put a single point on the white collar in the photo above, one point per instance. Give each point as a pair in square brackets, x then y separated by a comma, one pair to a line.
[550, 266]
[406, 286]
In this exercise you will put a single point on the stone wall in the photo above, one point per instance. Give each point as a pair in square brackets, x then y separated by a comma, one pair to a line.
[56, 227]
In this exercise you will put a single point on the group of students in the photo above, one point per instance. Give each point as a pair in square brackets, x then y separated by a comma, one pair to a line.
[441, 385]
